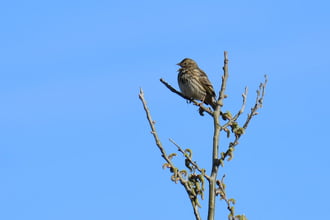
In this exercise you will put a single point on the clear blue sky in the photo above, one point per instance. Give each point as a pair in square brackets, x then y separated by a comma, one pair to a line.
[74, 141]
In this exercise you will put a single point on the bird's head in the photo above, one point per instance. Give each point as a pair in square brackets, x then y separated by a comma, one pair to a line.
[187, 62]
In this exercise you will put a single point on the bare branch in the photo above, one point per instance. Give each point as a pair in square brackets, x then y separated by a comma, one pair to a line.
[224, 78]
[244, 96]
[202, 171]
[257, 105]
[153, 128]
[222, 192]
[191, 193]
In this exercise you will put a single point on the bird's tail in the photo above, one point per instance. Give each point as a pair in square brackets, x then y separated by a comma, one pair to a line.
[212, 102]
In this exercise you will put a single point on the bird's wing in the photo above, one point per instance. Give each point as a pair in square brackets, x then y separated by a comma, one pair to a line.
[204, 80]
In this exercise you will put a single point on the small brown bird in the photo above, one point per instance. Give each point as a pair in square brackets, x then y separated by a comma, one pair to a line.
[193, 82]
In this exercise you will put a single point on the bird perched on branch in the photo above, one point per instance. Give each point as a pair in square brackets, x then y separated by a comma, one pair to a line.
[193, 82]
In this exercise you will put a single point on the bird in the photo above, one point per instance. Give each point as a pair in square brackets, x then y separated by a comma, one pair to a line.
[194, 83]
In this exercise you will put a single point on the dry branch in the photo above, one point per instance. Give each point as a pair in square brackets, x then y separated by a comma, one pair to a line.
[176, 175]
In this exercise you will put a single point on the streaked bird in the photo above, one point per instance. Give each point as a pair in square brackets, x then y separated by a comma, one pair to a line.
[194, 84]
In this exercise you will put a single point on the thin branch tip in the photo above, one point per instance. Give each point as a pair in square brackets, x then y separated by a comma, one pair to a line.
[141, 92]
[225, 53]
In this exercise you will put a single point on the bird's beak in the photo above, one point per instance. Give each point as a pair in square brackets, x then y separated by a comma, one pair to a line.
[178, 64]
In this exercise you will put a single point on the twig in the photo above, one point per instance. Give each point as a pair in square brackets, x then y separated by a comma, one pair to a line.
[257, 105]
[259, 102]
[224, 80]
[153, 128]
[222, 192]
[244, 96]
[190, 160]
[182, 180]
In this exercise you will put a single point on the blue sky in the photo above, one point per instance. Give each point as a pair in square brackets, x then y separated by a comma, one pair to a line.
[75, 143]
